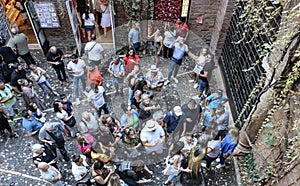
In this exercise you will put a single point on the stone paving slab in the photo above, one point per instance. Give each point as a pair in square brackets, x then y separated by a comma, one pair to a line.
[15, 154]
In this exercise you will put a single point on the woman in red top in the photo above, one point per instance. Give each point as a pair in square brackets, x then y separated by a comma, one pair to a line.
[131, 59]
[94, 76]
[181, 28]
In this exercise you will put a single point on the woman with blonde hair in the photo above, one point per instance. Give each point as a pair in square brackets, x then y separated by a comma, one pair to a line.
[116, 181]
[228, 145]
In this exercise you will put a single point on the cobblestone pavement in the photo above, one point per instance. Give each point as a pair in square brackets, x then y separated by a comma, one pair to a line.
[16, 166]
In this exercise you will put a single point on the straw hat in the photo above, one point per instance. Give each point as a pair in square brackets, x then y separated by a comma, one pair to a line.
[153, 68]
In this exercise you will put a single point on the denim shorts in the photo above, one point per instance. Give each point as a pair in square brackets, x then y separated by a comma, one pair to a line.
[89, 27]
[202, 85]
[10, 110]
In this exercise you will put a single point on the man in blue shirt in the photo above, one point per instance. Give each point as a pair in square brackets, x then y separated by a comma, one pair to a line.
[179, 50]
[30, 124]
[134, 37]
[175, 122]
[209, 119]
[216, 100]
[222, 121]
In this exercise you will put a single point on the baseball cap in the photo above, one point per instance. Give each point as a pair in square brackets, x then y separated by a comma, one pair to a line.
[177, 110]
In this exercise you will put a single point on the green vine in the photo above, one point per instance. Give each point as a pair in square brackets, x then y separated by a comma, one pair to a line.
[256, 17]
[248, 168]
[61, 9]
[136, 9]
[249, 101]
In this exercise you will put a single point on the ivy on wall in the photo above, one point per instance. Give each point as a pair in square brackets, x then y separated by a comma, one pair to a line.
[261, 18]
[136, 10]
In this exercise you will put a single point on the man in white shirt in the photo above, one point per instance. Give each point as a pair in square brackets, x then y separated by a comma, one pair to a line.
[76, 67]
[179, 50]
[94, 51]
[152, 137]
[98, 99]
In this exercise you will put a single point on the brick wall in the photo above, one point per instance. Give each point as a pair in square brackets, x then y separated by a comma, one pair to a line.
[221, 27]
[207, 8]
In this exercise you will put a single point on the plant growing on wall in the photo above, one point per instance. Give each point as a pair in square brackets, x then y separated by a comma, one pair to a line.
[259, 17]
[61, 8]
[136, 10]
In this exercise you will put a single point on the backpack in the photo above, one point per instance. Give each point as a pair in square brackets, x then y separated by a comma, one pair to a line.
[119, 65]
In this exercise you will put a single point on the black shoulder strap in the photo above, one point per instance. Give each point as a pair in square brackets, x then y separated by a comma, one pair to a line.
[84, 122]
[93, 46]
[52, 135]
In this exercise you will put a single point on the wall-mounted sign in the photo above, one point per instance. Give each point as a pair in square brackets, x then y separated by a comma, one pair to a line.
[200, 19]
[46, 14]
[185, 8]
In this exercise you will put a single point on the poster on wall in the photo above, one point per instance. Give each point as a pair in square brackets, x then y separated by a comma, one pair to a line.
[46, 14]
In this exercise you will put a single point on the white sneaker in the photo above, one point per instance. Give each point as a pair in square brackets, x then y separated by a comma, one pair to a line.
[77, 101]
[192, 81]
[218, 160]
[220, 166]
[175, 79]
[166, 82]
[55, 93]
[85, 93]
[196, 85]
[196, 97]
[203, 164]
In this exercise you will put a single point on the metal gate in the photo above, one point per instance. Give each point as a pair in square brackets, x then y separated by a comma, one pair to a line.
[238, 57]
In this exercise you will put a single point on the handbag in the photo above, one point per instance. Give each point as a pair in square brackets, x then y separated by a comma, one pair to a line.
[71, 122]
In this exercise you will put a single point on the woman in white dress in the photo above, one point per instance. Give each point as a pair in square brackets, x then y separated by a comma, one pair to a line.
[105, 20]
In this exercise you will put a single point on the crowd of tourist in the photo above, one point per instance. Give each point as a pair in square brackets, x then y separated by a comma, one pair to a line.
[111, 151]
